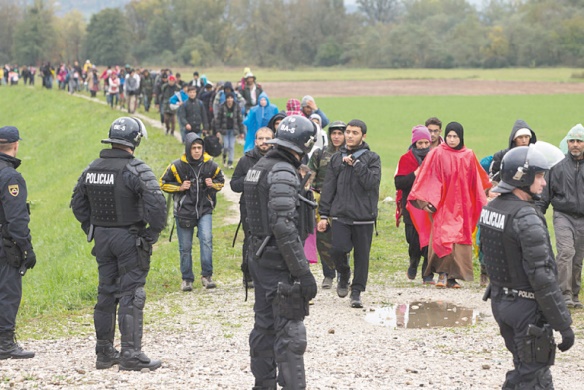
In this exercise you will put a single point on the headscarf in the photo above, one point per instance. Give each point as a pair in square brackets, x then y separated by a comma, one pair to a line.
[293, 107]
[459, 130]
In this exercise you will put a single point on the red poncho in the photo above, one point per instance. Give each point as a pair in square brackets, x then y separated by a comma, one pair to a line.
[454, 182]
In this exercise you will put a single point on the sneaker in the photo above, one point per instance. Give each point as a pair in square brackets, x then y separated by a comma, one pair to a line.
[208, 282]
[327, 283]
[569, 301]
[441, 280]
[484, 280]
[343, 287]
[230, 166]
[410, 279]
[452, 283]
[186, 285]
[578, 305]
[356, 299]
[429, 281]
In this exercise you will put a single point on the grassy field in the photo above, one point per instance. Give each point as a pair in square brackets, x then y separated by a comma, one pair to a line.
[331, 74]
[62, 133]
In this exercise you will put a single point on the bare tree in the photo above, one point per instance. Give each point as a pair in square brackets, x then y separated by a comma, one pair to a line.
[379, 11]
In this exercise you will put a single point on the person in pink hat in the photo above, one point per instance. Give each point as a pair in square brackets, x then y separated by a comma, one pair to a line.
[407, 170]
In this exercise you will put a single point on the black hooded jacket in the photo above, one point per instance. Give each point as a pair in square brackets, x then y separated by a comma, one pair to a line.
[199, 199]
[498, 157]
[351, 193]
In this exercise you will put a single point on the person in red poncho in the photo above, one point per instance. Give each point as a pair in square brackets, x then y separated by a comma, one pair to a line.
[407, 170]
[450, 188]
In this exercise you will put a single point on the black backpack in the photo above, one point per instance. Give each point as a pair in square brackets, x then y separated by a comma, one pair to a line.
[213, 146]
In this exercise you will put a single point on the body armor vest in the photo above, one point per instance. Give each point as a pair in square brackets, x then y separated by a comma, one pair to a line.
[502, 251]
[112, 202]
[255, 190]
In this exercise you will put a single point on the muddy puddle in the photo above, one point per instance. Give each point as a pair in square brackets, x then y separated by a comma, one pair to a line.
[418, 315]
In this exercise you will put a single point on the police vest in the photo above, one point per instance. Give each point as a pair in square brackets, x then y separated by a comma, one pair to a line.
[112, 202]
[501, 250]
[255, 191]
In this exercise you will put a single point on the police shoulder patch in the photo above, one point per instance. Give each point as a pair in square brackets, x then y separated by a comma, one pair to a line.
[13, 189]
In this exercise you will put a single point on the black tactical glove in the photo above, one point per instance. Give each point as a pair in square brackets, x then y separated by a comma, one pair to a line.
[29, 259]
[150, 236]
[307, 286]
[567, 340]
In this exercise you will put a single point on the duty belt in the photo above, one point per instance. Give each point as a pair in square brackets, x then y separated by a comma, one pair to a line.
[513, 293]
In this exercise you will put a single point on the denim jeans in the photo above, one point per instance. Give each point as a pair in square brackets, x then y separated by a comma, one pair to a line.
[185, 245]
[112, 99]
[229, 145]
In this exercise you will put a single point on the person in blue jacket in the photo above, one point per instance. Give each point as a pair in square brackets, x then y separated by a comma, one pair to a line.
[258, 116]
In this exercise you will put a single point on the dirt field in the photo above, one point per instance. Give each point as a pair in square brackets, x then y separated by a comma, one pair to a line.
[417, 87]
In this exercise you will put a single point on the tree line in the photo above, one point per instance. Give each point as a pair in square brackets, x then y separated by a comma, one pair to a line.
[292, 33]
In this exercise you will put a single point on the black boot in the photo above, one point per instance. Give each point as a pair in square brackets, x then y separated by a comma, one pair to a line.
[132, 358]
[10, 349]
[107, 355]
[136, 360]
[356, 299]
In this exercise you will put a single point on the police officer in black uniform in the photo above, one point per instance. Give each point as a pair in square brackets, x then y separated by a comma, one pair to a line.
[280, 214]
[16, 253]
[119, 203]
[525, 297]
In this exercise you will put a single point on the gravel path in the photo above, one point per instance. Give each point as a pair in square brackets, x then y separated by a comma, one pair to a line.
[202, 339]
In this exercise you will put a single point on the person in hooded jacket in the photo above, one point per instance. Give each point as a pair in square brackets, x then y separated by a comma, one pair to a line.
[275, 121]
[349, 198]
[258, 116]
[521, 135]
[318, 164]
[407, 170]
[194, 180]
[450, 187]
[219, 99]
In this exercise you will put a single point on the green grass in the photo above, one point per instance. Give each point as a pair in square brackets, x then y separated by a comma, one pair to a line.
[349, 74]
[61, 135]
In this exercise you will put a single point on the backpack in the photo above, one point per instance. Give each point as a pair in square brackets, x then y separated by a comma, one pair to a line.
[213, 146]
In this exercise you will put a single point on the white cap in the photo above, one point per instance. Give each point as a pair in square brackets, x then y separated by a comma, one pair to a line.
[521, 132]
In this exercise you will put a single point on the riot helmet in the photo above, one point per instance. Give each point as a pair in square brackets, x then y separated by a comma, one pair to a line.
[296, 133]
[126, 131]
[519, 167]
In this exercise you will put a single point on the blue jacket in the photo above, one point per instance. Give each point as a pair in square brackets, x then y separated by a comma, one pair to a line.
[257, 117]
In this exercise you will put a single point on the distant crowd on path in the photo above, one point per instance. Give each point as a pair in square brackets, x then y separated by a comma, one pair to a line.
[12, 74]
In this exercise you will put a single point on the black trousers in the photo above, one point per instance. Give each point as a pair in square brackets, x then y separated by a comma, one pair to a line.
[416, 253]
[514, 317]
[273, 337]
[357, 238]
[119, 277]
[10, 296]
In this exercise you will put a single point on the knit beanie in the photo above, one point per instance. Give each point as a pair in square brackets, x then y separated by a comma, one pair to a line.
[420, 132]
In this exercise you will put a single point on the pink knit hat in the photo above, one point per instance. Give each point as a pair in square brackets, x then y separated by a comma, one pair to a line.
[420, 132]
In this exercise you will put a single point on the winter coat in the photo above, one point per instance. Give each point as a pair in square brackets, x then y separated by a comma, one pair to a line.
[199, 199]
[351, 193]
